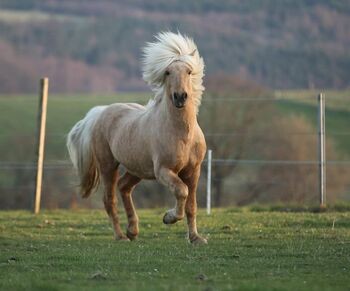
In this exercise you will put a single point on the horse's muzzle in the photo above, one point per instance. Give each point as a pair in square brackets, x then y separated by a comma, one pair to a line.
[179, 99]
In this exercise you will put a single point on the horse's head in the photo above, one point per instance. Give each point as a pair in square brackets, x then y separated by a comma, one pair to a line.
[173, 67]
[178, 86]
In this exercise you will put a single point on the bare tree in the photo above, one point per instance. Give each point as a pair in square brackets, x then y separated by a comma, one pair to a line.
[291, 138]
[228, 116]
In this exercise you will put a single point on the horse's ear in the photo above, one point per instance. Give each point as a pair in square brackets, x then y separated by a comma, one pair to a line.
[192, 53]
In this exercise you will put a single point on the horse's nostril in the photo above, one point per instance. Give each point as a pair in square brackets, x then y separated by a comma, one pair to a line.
[180, 96]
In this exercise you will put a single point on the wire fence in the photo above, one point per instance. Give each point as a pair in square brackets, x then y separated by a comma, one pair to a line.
[65, 165]
[235, 180]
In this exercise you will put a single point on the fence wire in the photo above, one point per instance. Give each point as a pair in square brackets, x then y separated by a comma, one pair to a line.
[62, 170]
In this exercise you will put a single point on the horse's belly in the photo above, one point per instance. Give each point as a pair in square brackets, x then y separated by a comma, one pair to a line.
[148, 175]
[137, 162]
[144, 171]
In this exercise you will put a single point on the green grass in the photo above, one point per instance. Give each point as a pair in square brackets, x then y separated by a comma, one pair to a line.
[71, 250]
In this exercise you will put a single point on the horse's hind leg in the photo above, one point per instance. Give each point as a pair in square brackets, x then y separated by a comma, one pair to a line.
[126, 185]
[110, 200]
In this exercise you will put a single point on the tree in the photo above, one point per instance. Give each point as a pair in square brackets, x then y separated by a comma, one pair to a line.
[231, 110]
[293, 140]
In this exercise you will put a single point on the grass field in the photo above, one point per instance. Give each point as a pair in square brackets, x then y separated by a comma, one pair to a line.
[66, 250]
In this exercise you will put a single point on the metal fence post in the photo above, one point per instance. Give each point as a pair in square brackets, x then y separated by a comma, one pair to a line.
[321, 150]
[44, 85]
[209, 182]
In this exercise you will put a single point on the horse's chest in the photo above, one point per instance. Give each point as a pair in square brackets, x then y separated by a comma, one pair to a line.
[178, 156]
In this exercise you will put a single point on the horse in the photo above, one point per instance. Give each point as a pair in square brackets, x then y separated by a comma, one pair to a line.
[161, 140]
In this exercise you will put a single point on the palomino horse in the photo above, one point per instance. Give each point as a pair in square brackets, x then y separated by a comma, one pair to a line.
[160, 141]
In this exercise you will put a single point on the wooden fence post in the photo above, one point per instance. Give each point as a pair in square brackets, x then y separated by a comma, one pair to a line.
[44, 85]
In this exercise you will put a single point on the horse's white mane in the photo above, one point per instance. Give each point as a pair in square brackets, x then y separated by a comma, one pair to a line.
[168, 48]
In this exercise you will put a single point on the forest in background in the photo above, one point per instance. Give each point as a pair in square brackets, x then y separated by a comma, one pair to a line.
[95, 46]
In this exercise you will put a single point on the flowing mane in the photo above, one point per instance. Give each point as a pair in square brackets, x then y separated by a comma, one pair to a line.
[170, 47]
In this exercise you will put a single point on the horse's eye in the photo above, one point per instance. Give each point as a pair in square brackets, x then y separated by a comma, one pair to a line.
[189, 72]
[167, 73]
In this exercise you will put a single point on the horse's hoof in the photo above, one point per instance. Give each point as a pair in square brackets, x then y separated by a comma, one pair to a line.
[122, 238]
[131, 236]
[198, 240]
[169, 217]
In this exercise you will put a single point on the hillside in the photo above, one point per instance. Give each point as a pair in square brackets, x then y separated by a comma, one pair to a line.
[89, 46]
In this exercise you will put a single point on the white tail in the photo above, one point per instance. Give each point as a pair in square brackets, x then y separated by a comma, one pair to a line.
[80, 150]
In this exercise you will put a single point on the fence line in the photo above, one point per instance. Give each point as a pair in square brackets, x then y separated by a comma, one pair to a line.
[277, 98]
[264, 133]
[66, 165]
[275, 162]
[63, 164]
[219, 134]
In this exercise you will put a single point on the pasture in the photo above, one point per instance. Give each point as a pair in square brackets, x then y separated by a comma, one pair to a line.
[247, 250]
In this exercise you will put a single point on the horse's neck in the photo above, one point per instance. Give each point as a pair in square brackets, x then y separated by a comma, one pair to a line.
[181, 120]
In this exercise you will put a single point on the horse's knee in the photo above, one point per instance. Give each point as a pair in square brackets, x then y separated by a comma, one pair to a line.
[181, 192]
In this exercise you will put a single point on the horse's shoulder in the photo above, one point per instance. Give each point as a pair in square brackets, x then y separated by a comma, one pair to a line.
[199, 147]
[199, 139]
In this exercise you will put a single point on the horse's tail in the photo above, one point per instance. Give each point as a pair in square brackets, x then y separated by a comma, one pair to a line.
[81, 152]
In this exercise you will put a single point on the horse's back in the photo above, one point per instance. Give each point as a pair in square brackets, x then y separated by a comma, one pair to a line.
[126, 107]
[133, 106]
[122, 112]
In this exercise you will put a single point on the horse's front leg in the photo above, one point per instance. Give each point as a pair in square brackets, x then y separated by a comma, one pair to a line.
[191, 180]
[169, 179]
